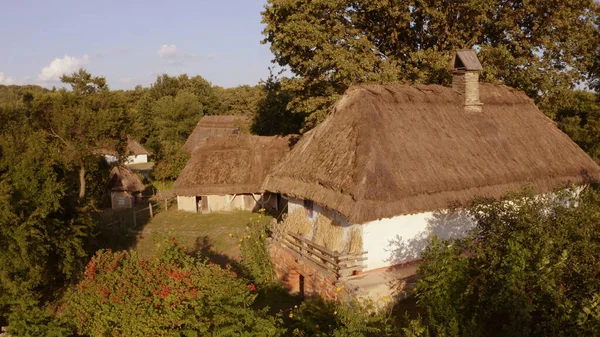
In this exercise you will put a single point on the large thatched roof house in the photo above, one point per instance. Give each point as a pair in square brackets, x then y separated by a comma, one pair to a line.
[226, 173]
[389, 158]
[212, 126]
[125, 188]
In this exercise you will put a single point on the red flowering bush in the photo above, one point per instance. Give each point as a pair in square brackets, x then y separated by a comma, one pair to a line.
[172, 295]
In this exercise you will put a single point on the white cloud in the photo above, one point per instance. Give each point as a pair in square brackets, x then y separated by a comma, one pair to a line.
[65, 65]
[193, 56]
[6, 80]
[167, 51]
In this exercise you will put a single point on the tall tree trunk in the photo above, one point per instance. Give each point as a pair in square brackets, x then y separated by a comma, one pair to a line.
[81, 181]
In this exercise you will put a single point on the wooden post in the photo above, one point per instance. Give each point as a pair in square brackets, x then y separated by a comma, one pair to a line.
[134, 219]
[166, 205]
[303, 251]
[150, 207]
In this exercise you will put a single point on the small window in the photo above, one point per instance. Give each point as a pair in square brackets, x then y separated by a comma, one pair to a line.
[308, 206]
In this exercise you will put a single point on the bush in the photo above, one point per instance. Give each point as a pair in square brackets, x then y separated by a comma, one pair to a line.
[320, 318]
[254, 253]
[532, 270]
[171, 295]
[30, 318]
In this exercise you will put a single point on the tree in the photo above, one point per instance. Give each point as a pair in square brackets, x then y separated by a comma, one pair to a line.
[83, 83]
[43, 227]
[530, 269]
[539, 47]
[579, 117]
[242, 100]
[82, 121]
[273, 117]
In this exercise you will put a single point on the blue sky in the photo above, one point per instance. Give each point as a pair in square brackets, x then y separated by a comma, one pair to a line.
[131, 42]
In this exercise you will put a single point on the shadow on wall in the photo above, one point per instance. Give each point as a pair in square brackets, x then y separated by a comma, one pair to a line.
[443, 224]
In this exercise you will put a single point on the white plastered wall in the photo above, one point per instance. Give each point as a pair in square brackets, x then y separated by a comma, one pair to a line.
[187, 204]
[399, 239]
[141, 158]
[226, 203]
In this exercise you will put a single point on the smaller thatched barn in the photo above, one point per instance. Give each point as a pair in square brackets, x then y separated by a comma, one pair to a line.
[212, 126]
[125, 188]
[226, 173]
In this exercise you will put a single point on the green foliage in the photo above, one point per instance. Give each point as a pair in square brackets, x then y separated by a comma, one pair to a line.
[241, 100]
[254, 253]
[175, 117]
[172, 295]
[320, 318]
[579, 117]
[273, 117]
[531, 271]
[331, 44]
[32, 319]
[83, 83]
[168, 169]
[43, 226]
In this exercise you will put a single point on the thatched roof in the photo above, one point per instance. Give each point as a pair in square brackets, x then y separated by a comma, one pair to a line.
[230, 164]
[122, 179]
[388, 150]
[211, 126]
[133, 148]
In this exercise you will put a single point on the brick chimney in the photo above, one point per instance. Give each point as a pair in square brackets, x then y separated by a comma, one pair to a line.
[465, 68]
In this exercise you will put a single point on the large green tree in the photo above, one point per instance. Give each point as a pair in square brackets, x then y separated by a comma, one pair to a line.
[43, 223]
[540, 47]
[578, 115]
[81, 121]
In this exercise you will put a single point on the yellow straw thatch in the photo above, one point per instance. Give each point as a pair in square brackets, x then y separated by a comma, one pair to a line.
[388, 150]
[355, 241]
[329, 233]
[296, 222]
[212, 126]
[230, 164]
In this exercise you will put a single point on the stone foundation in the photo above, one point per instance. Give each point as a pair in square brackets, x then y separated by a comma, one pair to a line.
[301, 276]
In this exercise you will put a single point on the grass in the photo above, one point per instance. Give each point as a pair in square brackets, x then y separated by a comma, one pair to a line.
[206, 233]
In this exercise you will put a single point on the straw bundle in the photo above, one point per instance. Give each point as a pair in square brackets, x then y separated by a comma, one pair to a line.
[329, 234]
[296, 222]
[355, 241]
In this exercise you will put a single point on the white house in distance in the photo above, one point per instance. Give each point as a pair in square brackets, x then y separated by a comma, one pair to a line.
[136, 153]
[389, 160]
[225, 173]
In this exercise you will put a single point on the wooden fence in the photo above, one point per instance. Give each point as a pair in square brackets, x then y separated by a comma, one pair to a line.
[341, 266]
[134, 217]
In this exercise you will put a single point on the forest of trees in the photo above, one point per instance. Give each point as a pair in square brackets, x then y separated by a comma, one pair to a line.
[536, 275]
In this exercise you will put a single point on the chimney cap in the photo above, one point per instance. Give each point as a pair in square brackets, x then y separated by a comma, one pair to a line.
[466, 60]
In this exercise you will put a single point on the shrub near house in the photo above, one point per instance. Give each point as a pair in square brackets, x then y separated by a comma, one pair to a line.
[533, 270]
[124, 295]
